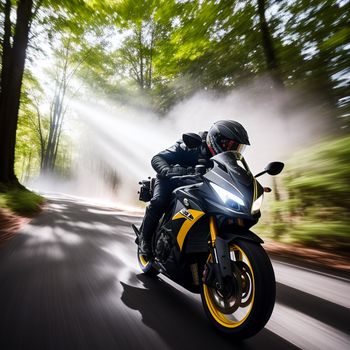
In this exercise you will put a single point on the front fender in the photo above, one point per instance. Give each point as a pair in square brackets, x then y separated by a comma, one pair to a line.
[231, 236]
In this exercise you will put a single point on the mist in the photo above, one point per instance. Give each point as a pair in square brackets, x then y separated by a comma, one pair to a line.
[114, 142]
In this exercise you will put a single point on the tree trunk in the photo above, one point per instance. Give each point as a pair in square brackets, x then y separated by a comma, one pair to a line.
[142, 84]
[269, 51]
[150, 64]
[6, 46]
[11, 83]
[57, 114]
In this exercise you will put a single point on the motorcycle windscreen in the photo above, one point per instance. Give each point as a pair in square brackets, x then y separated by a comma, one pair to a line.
[231, 173]
[234, 164]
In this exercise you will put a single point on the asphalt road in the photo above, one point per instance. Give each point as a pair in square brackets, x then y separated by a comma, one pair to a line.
[70, 280]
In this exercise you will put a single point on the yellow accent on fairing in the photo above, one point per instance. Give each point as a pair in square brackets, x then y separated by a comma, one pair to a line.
[179, 216]
[255, 194]
[186, 226]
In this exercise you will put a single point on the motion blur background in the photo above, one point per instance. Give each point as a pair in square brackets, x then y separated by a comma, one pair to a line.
[108, 84]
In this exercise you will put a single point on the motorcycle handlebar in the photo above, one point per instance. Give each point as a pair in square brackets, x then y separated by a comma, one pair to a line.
[186, 177]
[189, 174]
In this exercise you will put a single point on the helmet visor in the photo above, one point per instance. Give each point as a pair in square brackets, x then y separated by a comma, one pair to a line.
[232, 145]
[241, 148]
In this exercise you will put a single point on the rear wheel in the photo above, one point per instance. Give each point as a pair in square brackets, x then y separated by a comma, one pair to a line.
[146, 265]
[245, 310]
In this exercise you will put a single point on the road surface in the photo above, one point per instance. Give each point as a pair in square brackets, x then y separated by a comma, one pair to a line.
[70, 280]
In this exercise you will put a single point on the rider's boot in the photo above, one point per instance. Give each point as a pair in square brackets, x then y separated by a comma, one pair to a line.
[145, 247]
[147, 229]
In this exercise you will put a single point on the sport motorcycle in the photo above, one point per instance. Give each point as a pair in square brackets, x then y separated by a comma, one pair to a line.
[204, 241]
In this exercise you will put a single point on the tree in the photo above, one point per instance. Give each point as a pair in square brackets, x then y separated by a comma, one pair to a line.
[267, 44]
[63, 76]
[147, 28]
[74, 15]
[314, 54]
[13, 60]
[28, 150]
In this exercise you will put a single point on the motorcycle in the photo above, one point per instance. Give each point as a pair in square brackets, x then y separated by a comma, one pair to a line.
[204, 243]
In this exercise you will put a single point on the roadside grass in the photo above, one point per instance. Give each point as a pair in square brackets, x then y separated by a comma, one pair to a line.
[20, 200]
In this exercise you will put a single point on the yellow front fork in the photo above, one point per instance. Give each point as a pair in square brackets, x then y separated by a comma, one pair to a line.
[213, 234]
[213, 229]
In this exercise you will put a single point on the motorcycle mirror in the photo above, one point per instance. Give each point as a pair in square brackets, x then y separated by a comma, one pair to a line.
[192, 140]
[273, 168]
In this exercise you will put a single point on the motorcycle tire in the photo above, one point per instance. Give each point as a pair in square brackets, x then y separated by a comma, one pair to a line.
[146, 266]
[250, 306]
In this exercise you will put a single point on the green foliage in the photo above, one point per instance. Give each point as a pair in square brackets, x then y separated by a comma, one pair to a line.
[321, 173]
[316, 208]
[171, 49]
[20, 200]
[166, 51]
[314, 49]
[27, 160]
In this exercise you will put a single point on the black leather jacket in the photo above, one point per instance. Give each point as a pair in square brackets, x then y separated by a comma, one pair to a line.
[180, 154]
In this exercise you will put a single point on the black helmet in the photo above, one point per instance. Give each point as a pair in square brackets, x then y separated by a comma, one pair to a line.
[227, 135]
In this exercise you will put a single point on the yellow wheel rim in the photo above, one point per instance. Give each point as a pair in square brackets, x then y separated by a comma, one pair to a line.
[142, 260]
[241, 314]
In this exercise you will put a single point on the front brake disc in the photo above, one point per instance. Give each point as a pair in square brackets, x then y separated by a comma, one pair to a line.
[229, 304]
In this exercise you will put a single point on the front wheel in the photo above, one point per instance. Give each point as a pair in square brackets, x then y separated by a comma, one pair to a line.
[246, 310]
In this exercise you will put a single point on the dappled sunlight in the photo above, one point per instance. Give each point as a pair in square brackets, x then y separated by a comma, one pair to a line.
[54, 252]
[88, 225]
[100, 211]
[51, 235]
[72, 224]
[127, 256]
[69, 238]
[57, 207]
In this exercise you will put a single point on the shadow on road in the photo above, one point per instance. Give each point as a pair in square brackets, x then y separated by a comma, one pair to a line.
[180, 321]
[323, 310]
[68, 282]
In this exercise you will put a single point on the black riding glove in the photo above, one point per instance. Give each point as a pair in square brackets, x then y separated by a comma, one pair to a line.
[174, 171]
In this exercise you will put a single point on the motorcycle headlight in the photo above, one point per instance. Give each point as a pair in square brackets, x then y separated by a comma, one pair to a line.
[227, 197]
[257, 204]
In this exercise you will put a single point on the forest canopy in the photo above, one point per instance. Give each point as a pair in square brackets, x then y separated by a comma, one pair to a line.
[153, 54]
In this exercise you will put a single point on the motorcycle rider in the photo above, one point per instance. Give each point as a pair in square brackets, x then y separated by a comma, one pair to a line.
[224, 135]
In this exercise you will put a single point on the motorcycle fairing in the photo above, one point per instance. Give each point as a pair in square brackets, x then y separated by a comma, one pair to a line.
[235, 179]
[240, 233]
[191, 217]
[193, 204]
[189, 193]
